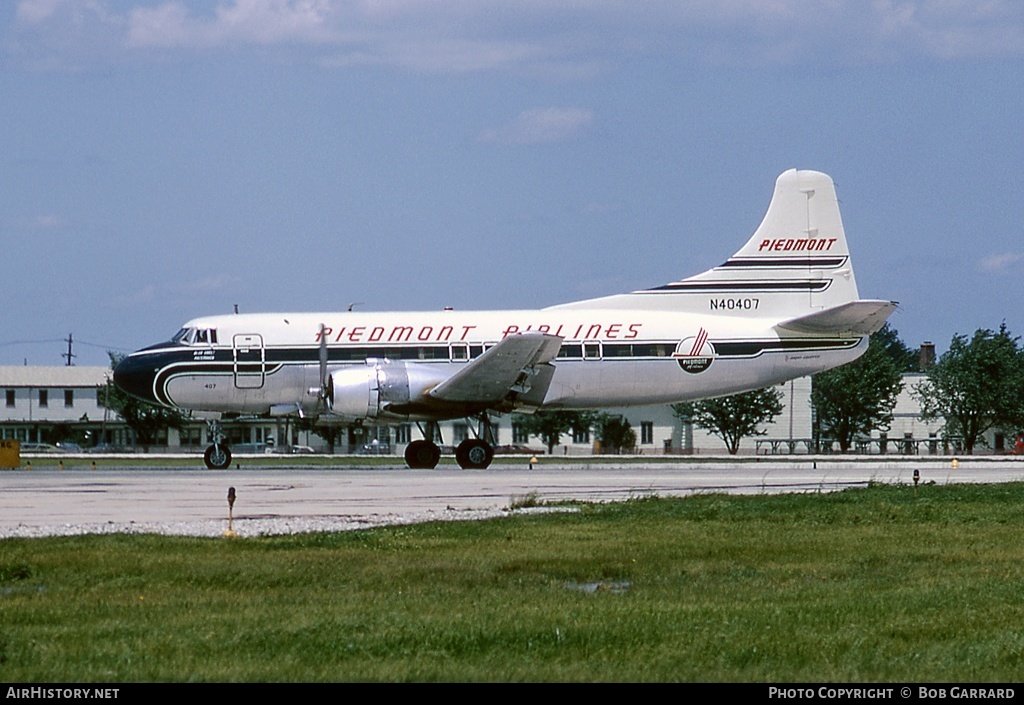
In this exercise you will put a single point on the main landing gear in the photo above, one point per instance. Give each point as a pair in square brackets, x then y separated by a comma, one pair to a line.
[218, 455]
[471, 454]
[422, 455]
[474, 454]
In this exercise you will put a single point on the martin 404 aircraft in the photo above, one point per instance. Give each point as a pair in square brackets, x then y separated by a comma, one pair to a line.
[784, 306]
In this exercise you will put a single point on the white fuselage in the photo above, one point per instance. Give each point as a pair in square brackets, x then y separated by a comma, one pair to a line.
[260, 363]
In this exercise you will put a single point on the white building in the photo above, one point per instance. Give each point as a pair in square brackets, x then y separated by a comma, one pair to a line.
[39, 399]
[50, 404]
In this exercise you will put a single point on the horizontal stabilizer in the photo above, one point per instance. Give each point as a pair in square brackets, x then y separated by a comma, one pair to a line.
[859, 317]
[510, 366]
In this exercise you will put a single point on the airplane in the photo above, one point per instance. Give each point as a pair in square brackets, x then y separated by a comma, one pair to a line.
[784, 306]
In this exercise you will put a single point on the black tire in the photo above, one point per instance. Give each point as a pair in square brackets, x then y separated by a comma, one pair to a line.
[422, 455]
[474, 454]
[217, 457]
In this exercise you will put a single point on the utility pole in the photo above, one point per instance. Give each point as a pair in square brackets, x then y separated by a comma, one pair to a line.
[69, 356]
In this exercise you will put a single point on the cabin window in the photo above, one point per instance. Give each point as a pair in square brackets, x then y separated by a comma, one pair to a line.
[10, 398]
[69, 398]
[44, 397]
[570, 350]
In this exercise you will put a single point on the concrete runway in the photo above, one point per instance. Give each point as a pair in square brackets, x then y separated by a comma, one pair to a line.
[289, 500]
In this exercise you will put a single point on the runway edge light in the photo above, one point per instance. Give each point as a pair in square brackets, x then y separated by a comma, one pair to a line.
[230, 532]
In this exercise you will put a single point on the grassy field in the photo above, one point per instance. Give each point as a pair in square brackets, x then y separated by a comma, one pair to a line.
[879, 584]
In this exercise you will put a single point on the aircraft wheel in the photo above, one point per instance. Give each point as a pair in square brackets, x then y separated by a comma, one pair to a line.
[217, 457]
[474, 454]
[422, 455]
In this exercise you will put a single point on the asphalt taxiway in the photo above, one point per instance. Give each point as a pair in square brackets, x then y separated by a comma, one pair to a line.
[42, 502]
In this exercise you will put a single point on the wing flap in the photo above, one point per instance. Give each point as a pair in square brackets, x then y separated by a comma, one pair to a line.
[513, 366]
[858, 317]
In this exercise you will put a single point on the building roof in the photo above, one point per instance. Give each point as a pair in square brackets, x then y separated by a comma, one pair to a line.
[38, 377]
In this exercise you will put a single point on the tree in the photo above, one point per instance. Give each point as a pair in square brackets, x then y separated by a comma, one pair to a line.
[550, 425]
[146, 420]
[905, 358]
[859, 397]
[976, 385]
[735, 417]
[615, 433]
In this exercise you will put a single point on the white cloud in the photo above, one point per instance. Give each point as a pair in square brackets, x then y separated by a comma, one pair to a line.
[33, 11]
[535, 35]
[539, 126]
[1001, 263]
[171, 24]
[43, 221]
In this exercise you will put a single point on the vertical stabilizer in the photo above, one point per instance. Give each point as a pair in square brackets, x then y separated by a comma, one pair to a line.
[797, 262]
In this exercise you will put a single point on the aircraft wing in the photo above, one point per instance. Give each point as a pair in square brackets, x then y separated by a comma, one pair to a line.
[518, 365]
[860, 317]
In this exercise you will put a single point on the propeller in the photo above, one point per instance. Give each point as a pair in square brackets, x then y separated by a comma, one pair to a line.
[324, 391]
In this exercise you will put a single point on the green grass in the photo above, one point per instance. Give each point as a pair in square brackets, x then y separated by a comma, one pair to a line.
[876, 584]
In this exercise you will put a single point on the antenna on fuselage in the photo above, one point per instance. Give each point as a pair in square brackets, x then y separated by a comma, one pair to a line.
[354, 304]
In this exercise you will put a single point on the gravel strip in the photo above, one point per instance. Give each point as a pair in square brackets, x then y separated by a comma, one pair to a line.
[276, 526]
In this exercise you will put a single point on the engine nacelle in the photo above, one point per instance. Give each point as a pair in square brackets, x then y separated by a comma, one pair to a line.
[368, 391]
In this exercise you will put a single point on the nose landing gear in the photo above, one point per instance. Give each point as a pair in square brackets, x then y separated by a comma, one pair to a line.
[218, 455]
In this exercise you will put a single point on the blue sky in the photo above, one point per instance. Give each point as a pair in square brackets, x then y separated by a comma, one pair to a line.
[165, 159]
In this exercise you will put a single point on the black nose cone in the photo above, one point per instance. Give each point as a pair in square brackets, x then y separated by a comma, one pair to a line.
[134, 375]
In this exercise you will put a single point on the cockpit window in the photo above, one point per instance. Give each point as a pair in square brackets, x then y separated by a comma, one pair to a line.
[196, 336]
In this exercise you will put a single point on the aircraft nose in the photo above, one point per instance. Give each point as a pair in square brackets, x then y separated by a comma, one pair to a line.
[134, 376]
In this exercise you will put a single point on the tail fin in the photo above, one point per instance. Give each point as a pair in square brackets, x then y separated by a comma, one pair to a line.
[796, 263]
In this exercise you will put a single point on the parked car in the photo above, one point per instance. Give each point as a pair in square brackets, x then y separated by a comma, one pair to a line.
[375, 447]
[517, 449]
[107, 449]
[40, 448]
[289, 450]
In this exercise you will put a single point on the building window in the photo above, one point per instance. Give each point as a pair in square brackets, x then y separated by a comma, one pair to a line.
[460, 432]
[10, 398]
[581, 435]
[646, 432]
[520, 434]
[69, 398]
[403, 433]
[44, 397]
[190, 437]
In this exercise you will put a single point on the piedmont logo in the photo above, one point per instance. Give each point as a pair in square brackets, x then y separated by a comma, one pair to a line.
[695, 354]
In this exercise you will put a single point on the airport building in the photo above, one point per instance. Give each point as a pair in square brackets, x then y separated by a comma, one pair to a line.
[60, 405]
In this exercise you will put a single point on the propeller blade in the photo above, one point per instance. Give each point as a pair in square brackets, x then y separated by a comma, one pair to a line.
[323, 363]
